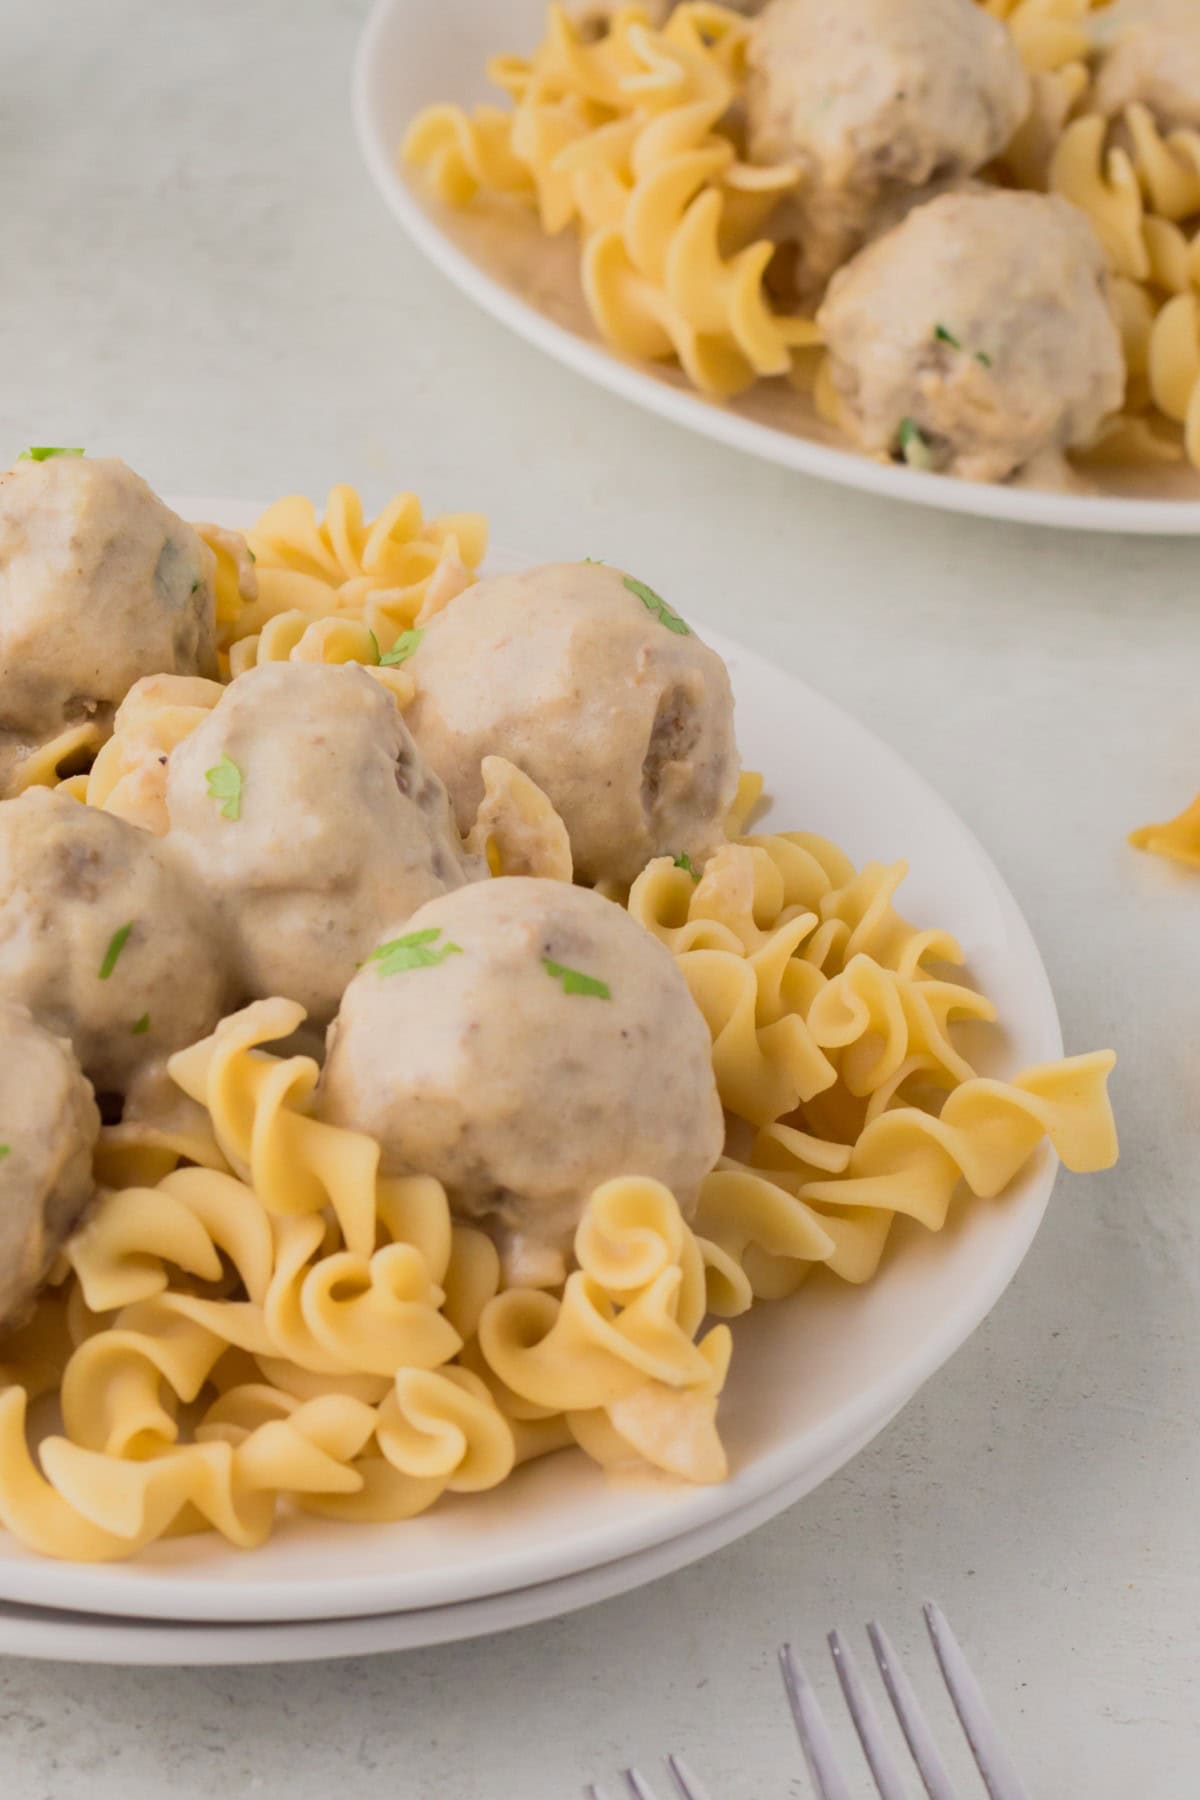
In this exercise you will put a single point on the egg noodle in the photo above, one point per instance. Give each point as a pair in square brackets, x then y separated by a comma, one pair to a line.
[631, 138]
[623, 138]
[1178, 839]
[253, 1318]
[43, 764]
[386, 574]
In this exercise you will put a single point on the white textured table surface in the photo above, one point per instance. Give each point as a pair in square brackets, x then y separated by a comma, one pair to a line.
[197, 277]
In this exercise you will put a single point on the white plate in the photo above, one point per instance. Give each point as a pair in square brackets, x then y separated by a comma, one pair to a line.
[863, 1351]
[412, 53]
[87, 1637]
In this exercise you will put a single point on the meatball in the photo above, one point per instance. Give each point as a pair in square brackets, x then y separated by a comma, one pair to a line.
[48, 1129]
[100, 583]
[874, 100]
[977, 335]
[1152, 58]
[304, 808]
[523, 1042]
[600, 693]
[102, 937]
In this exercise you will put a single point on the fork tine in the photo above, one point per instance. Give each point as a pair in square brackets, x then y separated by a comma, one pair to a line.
[880, 1760]
[592, 1792]
[685, 1781]
[993, 1761]
[639, 1788]
[812, 1730]
[907, 1708]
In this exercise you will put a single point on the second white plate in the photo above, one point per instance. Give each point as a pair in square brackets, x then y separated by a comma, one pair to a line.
[412, 54]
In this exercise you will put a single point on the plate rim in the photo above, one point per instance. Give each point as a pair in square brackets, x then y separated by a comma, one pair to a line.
[1110, 514]
[47, 1634]
[141, 1591]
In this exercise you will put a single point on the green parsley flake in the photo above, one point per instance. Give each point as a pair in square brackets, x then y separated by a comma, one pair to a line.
[684, 861]
[142, 1026]
[406, 645]
[225, 784]
[43, 453]
[575, 982]
[416, 951]
[945, 336]
[5, 1150]
[375, 645]
[597, 562]
[115, 946]
[654, 603]
[914, 446]
[250, 554]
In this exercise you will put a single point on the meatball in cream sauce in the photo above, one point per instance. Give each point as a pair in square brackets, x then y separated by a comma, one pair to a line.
[100, 583]
[49, 1125]
[873, 101]
[103, 937]
[305, 810]
[977, 336]
[595, 688]
[524, 1041]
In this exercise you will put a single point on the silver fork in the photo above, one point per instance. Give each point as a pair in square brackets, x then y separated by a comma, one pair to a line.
[684, 1784]
[992, 1760]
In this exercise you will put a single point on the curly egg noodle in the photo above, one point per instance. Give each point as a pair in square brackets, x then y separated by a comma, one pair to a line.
[632, 139]
[253, 1315]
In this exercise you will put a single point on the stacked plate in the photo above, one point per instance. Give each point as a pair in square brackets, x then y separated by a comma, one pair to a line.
[813, 1378]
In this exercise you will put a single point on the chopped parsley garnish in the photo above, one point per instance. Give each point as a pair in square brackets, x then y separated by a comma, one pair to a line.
[945, 336]
[914, 445]
[416, 951]
[654, 603]
[596, 561]
[375, 645]
[405, 646]
[115, 946]
[575, 982]
[250, 554]
[142, 1026]
[5, 1150]
[684, 861]
[43, 453]
[225, 784]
